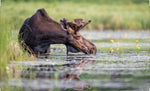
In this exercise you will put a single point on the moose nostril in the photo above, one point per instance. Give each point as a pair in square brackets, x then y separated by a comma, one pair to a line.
[87, 52]
[91, 51]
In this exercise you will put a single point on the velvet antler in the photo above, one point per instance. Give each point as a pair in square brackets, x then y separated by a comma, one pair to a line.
[77, 26]
[80, 23]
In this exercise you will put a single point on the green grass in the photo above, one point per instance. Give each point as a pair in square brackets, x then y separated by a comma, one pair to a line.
[104, 16]
[4, 40]
[9, 47]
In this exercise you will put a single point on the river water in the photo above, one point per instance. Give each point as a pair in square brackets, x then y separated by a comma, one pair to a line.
[105, 71]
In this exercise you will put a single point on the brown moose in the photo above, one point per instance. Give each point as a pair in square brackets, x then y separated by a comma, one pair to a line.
[40, 30]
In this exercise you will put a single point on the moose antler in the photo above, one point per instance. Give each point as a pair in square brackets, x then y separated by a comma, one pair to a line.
[80, 23]
[77, 26]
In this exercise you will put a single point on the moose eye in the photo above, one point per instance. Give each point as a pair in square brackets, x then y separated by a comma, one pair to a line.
[77, 37]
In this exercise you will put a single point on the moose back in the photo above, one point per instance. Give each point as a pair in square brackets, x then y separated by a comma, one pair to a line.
[40, 30]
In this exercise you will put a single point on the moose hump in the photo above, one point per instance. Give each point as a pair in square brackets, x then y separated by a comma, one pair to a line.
[40, 31]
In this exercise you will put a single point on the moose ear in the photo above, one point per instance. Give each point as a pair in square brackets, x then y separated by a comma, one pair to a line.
[64, 23]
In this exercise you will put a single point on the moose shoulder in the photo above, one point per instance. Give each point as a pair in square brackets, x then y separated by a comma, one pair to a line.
[40, 30]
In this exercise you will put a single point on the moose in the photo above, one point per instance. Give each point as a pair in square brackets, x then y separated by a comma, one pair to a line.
[40, 31]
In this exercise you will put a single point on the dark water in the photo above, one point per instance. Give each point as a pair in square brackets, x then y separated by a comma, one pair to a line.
[129, 71]
[103, 72]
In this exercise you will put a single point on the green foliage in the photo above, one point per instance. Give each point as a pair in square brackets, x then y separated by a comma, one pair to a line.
[90, 1]
[104, 16]
[9, 48]
[4, 40]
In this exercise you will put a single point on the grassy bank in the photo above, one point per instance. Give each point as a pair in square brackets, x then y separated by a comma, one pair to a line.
[4, 40]
[120, 15]
[9, 47]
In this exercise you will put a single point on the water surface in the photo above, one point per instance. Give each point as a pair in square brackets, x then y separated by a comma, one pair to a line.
[105, 71]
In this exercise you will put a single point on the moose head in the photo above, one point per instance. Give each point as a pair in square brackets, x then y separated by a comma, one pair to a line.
[81, 44]
[40, 30]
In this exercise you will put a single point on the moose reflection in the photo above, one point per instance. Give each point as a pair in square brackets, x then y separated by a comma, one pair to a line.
[67, 76]
[40, 30]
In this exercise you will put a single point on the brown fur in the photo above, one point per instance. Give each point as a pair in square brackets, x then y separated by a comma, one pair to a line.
[39, 31]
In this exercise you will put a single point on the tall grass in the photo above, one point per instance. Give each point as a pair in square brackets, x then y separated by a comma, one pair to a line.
[90, 1]
[5, 48]
[9, 47]
[104, 16]
[4, 40]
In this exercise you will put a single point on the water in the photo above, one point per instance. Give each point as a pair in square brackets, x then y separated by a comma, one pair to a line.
[105, 71]
[116, 34]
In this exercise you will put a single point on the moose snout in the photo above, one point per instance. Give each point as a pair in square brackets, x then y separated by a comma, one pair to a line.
[89, 49]
[85, 50]
[93, 50]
